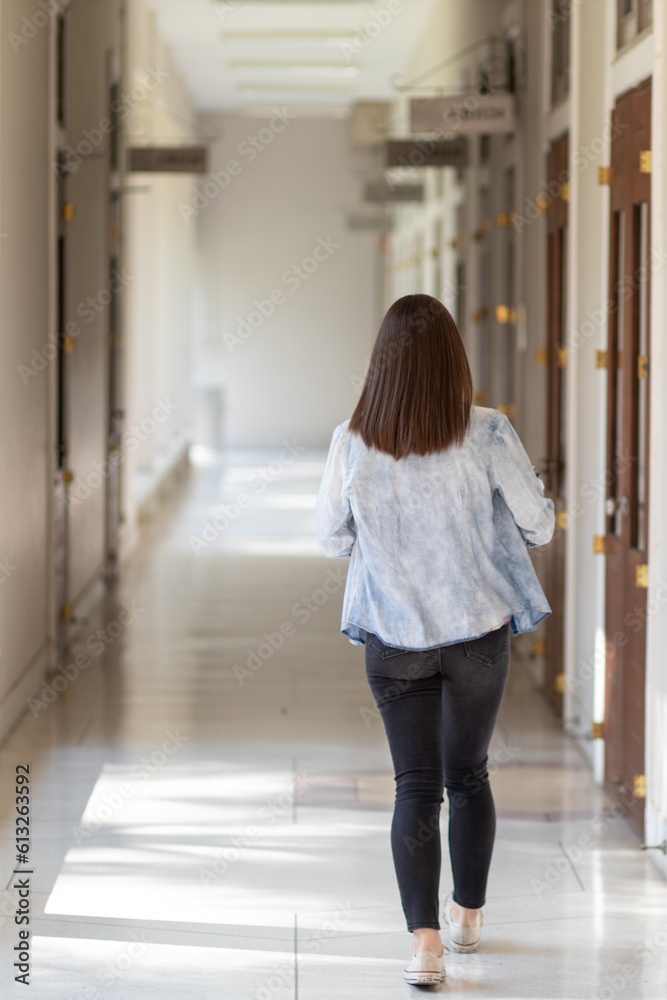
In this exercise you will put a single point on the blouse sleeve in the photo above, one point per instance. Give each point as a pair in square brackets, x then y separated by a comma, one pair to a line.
[511, 472]
[334, 522]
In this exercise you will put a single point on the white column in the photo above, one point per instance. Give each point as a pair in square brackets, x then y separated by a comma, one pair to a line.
[656, 661]
[586, 276]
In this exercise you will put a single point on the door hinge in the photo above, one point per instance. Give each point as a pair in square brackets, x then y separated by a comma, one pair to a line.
[642, 366]
[563, 357]
[562, 519]
[66, 612]
[481, 399]
[542, 203]
[639, 786]
[565, 192]
[645, 161]
[68, 476]
[559, 683]
[507, 409]
[68, 212]
[540, 647]
[68, 344]
[604, 176]
[505, 314]
[599, 544]
[542, 356]
[602, 359]
[597, 731]
[480, 315]
[641, 577]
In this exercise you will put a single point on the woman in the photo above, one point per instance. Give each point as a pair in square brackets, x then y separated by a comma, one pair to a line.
[436, 502]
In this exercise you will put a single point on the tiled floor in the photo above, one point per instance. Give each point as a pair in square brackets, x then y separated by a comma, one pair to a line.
[212, 798]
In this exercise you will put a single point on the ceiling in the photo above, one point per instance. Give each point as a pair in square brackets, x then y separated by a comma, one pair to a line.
[316, 56]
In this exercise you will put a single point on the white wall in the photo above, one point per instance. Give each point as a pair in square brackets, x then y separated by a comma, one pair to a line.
[25, 445]
[159, 256]
[293, 376]
[157, 326]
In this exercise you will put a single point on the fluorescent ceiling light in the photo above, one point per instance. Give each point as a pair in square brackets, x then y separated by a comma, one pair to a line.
[253, 109]
[291, 88]
[330, 37]
[296, 69]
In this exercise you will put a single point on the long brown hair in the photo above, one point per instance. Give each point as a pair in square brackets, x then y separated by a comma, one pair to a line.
[418, 390]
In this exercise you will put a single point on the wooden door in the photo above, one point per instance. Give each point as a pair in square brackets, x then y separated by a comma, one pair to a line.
[113, 478]
[625, 542]
[554, 465]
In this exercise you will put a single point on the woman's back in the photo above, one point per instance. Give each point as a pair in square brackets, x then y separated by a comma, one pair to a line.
[438, 541]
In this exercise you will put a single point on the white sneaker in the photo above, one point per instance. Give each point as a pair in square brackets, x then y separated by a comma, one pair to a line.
[462, 938]
[425, 969]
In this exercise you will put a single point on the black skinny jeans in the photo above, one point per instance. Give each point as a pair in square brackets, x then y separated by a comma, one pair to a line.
[439, 707]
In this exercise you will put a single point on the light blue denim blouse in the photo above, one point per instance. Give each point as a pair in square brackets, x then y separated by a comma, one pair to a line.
[438, 543]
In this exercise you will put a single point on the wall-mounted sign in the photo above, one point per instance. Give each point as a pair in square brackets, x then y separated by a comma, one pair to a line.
[370, 123]
[169, 159]
[426, 153]
[382, 191]
[474, 113]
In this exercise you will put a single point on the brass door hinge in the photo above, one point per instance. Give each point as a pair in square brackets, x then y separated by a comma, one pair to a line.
[540, 647]
[642, 366]
[68, 476]
[565, 192]
[481, 398]
[563, 357]
[599, 544]
[68, 212]
[66, 612]
[602, 359]
[597, 731]
[506, 220]
[639, 786]
[507, 409]
[480, 315]
[562, 519]
[505, 314]
[68, 344]
[604, 176]
[645, 161]
[542, 356]
[559, 683]
[641, 576]
[542, 204]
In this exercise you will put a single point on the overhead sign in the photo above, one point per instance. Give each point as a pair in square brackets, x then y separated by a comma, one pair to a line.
[426, 153]
[169, 159]
[472, 114]
[381, 191]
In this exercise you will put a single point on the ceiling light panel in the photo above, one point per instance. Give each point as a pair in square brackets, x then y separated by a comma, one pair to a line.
[291, 69]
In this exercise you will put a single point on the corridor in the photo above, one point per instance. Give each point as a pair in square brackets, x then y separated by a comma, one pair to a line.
[205, 829]
[227, 228]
